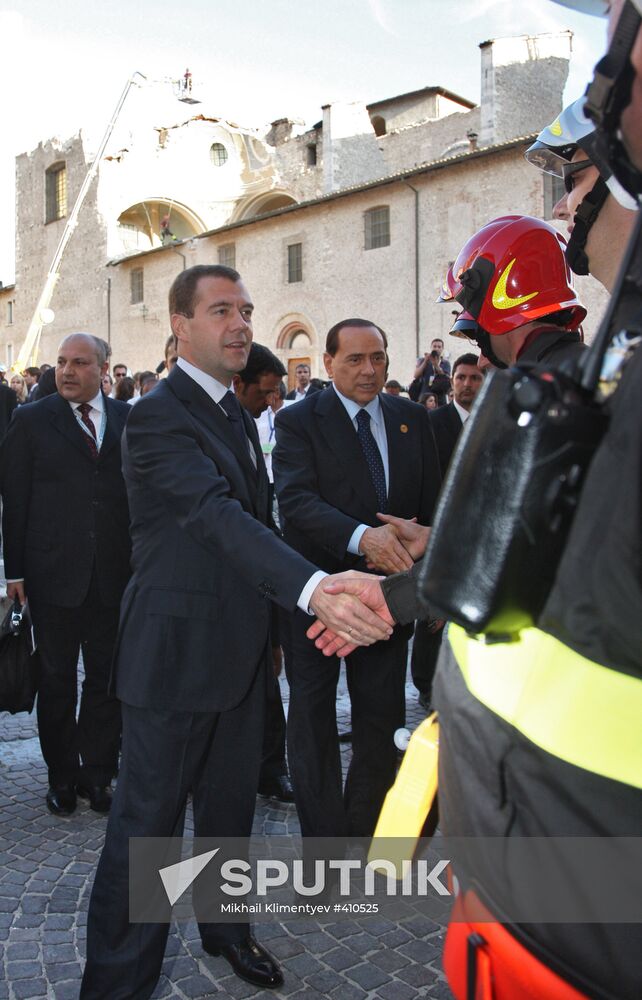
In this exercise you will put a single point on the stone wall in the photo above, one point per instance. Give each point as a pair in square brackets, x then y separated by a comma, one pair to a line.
[522, 82]
[340, 277]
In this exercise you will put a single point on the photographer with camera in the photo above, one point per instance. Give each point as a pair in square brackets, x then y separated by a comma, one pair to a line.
[432, 374]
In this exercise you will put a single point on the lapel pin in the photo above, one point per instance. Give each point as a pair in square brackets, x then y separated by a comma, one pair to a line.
[404, 428]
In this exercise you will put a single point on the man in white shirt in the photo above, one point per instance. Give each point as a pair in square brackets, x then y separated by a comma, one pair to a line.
[304, 386]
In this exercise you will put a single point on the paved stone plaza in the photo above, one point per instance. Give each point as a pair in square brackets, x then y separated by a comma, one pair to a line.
[47, 867]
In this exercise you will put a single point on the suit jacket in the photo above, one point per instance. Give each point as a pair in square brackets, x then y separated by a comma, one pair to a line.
[323, 482]
[64, 512]
[311, 389]
[446, 426]
[8, 403]
[195, 616]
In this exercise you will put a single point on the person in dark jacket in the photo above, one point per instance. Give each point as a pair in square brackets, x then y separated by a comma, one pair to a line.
[66, 528]
[8, 403]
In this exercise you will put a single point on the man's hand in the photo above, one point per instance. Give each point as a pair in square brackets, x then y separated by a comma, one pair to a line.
[414, 537]
[345, 614]
[368, 589]
[384, 551]
[419, 370]
[17, 590]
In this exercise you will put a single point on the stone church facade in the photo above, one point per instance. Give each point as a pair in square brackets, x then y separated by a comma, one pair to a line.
[359, 215]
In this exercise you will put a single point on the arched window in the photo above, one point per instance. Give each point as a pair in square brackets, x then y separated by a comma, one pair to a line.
[56, 192]
[379, 125]
[218, 154]
[299, 340]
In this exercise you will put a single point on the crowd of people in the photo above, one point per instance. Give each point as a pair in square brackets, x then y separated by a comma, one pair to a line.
[193, 533]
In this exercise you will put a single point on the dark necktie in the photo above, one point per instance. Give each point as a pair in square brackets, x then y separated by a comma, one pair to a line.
[92, 441]
[232, 407]
[373, 458]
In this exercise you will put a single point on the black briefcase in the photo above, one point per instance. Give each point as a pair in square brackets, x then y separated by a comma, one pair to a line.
[18, 661]
[508, 500]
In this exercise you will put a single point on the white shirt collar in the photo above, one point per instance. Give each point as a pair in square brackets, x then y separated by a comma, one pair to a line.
[214, 389]
[96, 403]
[464, 414]
[373, 407]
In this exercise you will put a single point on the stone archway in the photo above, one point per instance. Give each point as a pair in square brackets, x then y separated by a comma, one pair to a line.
[141, 226]
[297, 343]
[268, 201]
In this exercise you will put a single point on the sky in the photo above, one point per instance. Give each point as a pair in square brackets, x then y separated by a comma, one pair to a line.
[64, 65]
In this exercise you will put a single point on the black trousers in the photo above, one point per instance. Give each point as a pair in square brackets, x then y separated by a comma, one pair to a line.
[376, 682]
[85, 749]
[273, 764]
[423, 661]
[165, 754]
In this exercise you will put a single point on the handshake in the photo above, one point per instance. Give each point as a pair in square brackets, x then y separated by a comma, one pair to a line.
[350, 607]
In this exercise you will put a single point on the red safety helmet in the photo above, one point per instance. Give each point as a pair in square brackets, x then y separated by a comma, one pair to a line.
[511, 272]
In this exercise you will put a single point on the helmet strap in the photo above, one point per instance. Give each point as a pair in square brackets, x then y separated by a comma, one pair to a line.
[587, 212]
[610, 93]
[485, 342]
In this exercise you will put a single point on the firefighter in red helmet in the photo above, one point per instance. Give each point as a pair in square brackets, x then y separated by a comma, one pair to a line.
[516, 289]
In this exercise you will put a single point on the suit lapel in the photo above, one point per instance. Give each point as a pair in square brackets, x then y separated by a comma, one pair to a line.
[64, 421]
[341, 437]
[212, 417]
[113, 428]
[456, 423]
[400, 437]
[260, 476]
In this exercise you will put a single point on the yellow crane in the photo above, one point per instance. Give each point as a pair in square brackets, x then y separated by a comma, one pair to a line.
[43, 313]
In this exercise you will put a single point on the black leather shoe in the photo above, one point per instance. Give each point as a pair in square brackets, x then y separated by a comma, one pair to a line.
[251, 962]
[277, 788]
[99, 796]
[61, 800]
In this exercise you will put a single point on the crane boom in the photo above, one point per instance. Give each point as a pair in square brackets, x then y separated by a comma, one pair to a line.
[29, 350]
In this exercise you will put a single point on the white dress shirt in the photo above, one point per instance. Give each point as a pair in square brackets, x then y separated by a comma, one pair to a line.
[464, 414]
[96, 415]
[265, 428]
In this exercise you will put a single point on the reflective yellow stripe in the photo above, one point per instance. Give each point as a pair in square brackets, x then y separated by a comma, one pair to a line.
[580, 711]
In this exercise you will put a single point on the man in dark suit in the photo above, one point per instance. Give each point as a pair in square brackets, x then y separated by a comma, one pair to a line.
[447, 423]
[341, 457]
[192, 661]
[65, 525]
[304, 386]
[32, 377]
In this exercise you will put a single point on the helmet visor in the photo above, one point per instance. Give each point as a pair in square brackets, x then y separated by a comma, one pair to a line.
[550, 160]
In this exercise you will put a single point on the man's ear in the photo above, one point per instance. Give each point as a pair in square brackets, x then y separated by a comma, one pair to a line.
[327, 361]
[178, 323]
[236, 382]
